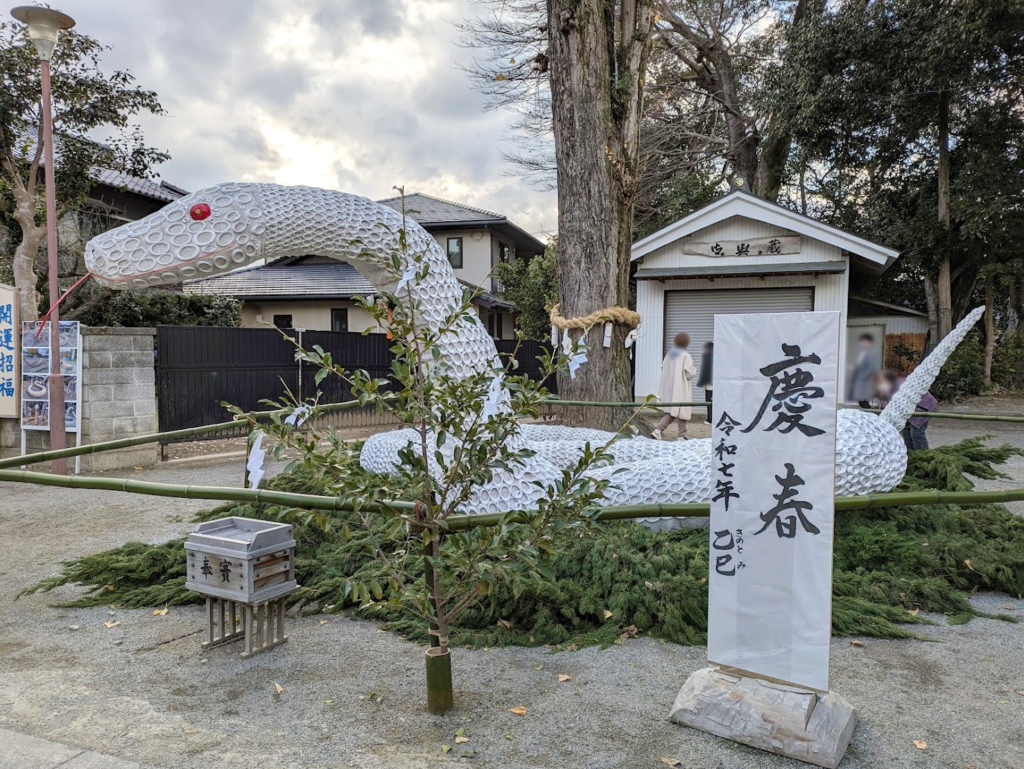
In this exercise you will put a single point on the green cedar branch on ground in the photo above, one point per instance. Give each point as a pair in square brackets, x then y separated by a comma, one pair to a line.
[888, 562]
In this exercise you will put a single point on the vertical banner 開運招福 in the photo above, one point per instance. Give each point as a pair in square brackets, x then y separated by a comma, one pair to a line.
[8, 352]
[772, 498]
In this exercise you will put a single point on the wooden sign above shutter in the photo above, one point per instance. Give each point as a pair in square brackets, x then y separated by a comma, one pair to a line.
[783, 244]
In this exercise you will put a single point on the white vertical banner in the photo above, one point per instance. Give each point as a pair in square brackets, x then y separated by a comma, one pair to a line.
[772, 509]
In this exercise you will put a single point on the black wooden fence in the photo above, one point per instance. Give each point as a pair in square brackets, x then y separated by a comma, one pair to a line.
[200, 367]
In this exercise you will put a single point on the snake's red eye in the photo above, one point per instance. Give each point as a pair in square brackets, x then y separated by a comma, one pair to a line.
[199, 211]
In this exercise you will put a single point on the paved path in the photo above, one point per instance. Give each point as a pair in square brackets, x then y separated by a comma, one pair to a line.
[20, 751]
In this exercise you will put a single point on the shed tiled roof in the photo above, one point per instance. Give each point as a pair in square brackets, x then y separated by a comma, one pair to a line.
[286, 281]
[428, 210]
[150, 188]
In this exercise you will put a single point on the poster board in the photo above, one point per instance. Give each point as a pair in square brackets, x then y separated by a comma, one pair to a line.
[773, 485]
[9, 385]
[35, 368]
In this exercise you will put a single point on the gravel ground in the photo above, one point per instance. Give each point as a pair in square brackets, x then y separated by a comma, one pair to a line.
[144, 690]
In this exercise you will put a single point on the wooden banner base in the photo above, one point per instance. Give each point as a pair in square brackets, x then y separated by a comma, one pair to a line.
[785, 720]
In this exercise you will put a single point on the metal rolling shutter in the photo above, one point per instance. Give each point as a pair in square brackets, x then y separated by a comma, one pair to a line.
[694, 312]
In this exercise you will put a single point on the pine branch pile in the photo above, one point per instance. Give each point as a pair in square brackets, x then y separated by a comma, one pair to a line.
[622, 579]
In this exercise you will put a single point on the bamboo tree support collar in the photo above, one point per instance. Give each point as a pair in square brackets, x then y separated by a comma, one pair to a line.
[620, 315]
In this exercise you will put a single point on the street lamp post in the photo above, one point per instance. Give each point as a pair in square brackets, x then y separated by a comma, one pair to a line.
[44, 26]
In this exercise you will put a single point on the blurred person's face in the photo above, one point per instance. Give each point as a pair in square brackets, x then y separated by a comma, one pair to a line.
[867, 344]
[883, 387]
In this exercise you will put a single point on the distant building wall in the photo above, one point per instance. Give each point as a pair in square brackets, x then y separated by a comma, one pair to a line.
[307, 314]
[476, 254]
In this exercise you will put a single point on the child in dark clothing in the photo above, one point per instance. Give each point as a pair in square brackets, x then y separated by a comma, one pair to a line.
[887, 384]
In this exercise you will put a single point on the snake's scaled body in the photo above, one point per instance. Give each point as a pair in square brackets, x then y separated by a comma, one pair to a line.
[228, 226]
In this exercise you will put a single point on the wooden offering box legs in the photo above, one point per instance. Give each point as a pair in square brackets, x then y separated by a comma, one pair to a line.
[260, 625]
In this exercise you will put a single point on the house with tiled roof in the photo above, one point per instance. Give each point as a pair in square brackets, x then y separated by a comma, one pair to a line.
[318, 293]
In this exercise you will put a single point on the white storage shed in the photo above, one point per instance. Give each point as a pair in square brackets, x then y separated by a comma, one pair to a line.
[742, 254]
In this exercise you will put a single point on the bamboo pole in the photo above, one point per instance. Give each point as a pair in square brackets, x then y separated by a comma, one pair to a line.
[659, 405]
[221, 493]
[139, 440]
[623, 404]
[957, 415]
[461, 522]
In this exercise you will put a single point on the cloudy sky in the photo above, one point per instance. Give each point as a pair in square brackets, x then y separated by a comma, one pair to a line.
[355, 95]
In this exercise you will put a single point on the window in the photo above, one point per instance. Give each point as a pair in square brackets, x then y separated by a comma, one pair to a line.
[506, 253]
[455, 252]
[283, 321]
[339, 319]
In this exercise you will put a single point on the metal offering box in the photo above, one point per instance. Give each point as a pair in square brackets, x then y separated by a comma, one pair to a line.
[241, 560]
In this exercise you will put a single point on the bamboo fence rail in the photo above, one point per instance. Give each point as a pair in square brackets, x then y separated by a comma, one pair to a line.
[192, 432]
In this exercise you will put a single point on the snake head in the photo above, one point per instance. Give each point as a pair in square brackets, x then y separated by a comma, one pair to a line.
[205, 233]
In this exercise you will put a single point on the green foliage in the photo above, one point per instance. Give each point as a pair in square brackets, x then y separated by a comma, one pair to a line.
[1008, 361]
[155, 307]
[88, 103]
[964, 373]
[866, 88]
[888, 562]
[532, 286]
[85, 99]
[464, 425]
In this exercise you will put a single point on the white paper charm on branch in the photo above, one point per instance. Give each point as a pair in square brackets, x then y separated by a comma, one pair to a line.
[407, 277]
[493, 399]
[772, 506]
[257, 456]
[299, 416]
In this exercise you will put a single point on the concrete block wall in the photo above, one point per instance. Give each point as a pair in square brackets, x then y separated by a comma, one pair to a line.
[118, 400]
[119, 394]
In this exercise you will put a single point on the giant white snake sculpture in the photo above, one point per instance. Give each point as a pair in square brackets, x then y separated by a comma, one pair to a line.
[228, 226]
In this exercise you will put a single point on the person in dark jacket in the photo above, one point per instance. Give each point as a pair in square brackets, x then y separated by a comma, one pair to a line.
[887, 385]
[707, 374]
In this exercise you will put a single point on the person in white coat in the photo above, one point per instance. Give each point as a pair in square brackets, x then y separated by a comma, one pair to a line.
[676, 372]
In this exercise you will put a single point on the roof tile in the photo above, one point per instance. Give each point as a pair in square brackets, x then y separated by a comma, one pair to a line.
[427, 210]
[338, 279]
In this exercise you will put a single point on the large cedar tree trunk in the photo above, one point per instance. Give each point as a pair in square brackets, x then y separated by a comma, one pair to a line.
[990, 326]
[944, 279]
[597, 57]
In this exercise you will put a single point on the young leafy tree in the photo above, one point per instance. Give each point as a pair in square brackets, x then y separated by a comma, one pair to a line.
[462, 437]
[85, 99]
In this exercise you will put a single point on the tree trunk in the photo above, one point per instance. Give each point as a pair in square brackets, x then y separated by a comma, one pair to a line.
[1018, 337]
[1013, 300]
[931, 300]
[990, 326]
[771, 168]
[595, 104]
[944, 278]
[24, 265]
